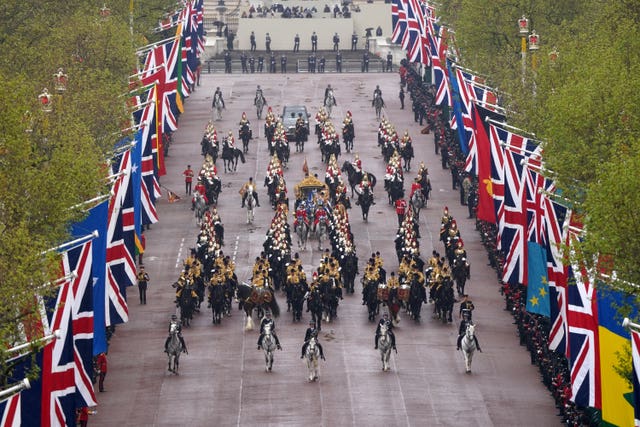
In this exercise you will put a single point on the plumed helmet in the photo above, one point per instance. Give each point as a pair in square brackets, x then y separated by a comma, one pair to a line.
[311, 322]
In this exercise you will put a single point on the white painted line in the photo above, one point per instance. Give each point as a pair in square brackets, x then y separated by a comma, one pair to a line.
[179, 257]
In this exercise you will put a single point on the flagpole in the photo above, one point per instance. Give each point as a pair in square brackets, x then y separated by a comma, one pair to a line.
[628, 324]
[23, 385]
[55, 335]
[495, 122]
[90, 201]
[73, 243]
[150, 46]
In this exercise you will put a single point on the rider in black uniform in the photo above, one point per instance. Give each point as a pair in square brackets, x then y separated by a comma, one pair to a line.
[311, 332]
[174, 319]
[267, 320]
[385, 321]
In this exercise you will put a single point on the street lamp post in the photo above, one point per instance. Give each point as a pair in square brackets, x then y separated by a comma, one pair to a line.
[523, 27]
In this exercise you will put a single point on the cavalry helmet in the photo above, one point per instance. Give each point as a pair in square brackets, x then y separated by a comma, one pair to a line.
[268, 314]
[385, 315]
[311, 322]
[174, 317]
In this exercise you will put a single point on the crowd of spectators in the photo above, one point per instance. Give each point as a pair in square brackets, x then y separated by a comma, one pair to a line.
[282, 11]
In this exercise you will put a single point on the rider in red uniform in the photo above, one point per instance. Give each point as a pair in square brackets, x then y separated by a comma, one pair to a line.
[200, 189]
[301, 213]
[320, 215]
[415, 186]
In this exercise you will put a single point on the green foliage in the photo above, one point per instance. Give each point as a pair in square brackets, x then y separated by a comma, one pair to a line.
[584, 105]
[53, 161]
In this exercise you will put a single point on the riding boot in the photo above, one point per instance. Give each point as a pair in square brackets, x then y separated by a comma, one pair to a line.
[459, 342]
[377, 336]
[257, 201]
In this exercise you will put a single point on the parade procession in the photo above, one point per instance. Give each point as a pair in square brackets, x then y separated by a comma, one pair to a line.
[278, 248]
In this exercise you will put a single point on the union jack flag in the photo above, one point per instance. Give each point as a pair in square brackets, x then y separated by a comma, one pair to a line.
[417, 47]
[462, 118]
[149, 185]
[10, 411]
[436, 35]
[120, 264]
[512, 210]
[199, 8]
[399, 22]
[160, 67]
[584, 346]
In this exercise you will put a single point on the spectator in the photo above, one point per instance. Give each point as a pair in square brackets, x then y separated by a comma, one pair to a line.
[252, 39]
[314, 41]
[267, 43]
[296, 43]
[354, 41]
[379, 31]
[336, 42]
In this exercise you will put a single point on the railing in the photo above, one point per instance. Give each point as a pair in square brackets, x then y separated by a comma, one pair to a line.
[299, 66]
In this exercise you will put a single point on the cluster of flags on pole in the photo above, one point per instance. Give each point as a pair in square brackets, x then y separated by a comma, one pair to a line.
[535, 224]
[99, 264]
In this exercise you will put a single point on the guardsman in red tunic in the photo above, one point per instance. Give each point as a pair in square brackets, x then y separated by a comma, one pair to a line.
[320, 215]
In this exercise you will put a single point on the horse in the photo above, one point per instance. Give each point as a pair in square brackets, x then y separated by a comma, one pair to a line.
[250, 202]
[212, 188]
[217, 107]
[348, 135]
[269, 347]
[417, 296]
[406, 152]
[321, 233]
[230, 155]
[200, 207]
[262, 298]
[444, 299]
[174, 348]
[283, 152]
[329, 147]
[311, 355]
[314, 305]
[460, 272]
[245, 135]
[370, 291]
[260, 103]
[378, 104]
[329, 103]
[301, 135]
[468, 346]
[297, 301]
[187, 304]
[417, 202]
[384, 345]
[349, 265]
[302, 231]
[329, 299]
[365, 200]
[395, 188]
[209, 147]
[217, 302]
[355, 177]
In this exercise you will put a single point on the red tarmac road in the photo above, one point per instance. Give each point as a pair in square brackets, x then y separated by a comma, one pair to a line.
[222, 380]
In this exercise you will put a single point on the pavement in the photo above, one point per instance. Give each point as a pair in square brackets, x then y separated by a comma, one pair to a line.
[222, 381]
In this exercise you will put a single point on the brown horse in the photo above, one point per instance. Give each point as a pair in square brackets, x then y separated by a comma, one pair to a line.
[260, 297]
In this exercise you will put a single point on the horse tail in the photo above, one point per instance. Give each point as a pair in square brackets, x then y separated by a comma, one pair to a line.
[274, 307]
[241, 154]
[372, 179]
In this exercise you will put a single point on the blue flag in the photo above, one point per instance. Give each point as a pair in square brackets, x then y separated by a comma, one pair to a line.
[97, 221]
[538, 287]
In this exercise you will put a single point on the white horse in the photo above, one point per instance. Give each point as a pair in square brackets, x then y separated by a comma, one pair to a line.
[384, 345]
[312, 354]
[250, 203]
[322, 232]
[200, 207]
[260, 103]
[468, 346]
[269, 347]
[329, 102]
[217, 105]
[417, 202]
[302, 231]
[174, 348]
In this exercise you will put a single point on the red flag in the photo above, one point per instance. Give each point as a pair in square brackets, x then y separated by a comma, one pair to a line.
[486, 210]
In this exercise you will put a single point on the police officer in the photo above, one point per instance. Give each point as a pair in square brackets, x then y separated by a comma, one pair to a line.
[272, 63]
[267, 43]
[296, 43]
[321, 63]
[227, 62]
[365, 62]
[336, 42]
[243, 62]
[314, 42]
[252, 64]
[283, 64]
[385, 321]
[311, 332]
[267, 320]
[252, 39]
[260, 63]
[389, 61]
[339, 62]
[354, 41]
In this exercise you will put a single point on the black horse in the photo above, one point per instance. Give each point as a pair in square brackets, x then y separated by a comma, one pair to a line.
[365, 200]
[348, 135]
[406, 152]
[301, 135]
[297, 300]
[230, 155]
[349, 266]
[217, 302]
[209, 147]
[417, 296]
[460, 272]
[212, 187]
[314, 305]
[330, 147]
[245, 135]
[355, 177]
[394, 188]
[444, 299]
[269, 131]
[370, 294]
[187, 303]
[283, 151]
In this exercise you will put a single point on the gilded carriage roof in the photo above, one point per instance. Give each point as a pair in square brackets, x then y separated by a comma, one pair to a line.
[309, 183]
